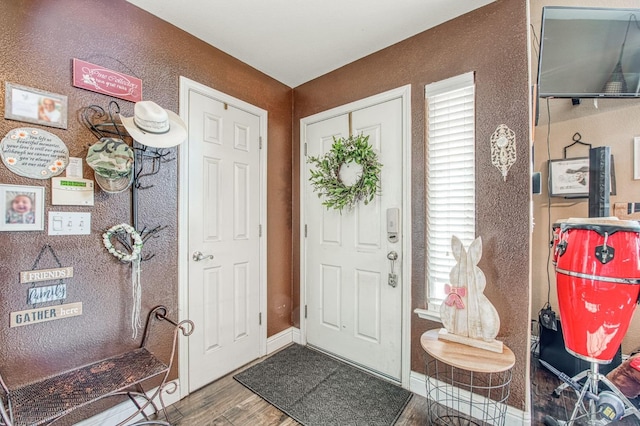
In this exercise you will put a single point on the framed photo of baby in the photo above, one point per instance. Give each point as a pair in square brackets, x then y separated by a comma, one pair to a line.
[37, 106]
[22, 208]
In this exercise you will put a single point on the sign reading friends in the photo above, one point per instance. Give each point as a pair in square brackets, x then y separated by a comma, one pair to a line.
[46, 274]
[34, 153]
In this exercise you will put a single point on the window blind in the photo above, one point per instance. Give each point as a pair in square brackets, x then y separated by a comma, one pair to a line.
[450, 176]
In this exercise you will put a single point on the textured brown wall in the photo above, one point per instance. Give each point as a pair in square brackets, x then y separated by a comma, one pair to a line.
[491, 41]
[38, 40]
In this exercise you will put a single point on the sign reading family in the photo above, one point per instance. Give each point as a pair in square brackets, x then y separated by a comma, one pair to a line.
[108, 82]
[50, 293]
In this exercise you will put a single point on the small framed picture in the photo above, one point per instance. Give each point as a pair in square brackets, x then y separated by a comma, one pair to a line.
[31, 105]
[569, 178]
[22, 208]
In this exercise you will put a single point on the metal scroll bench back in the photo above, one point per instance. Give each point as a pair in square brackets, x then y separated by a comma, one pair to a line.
[47, 400]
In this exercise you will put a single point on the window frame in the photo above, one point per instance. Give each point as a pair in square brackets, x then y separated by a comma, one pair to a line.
[439, 90]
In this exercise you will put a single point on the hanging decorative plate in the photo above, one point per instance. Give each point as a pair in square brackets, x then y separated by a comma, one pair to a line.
[34, 153]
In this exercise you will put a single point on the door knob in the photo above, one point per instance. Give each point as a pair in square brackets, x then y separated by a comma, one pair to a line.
[393, 277]
[198, 256]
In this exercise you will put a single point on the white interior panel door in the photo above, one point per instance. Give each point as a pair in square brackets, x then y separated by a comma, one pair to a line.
[224, 247]
[352, 309]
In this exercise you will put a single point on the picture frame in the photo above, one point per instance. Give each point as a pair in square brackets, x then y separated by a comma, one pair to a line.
[569, 177]
[36, 106]
[22, 208]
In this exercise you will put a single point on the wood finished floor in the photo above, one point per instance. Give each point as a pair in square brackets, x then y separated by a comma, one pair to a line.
[226, 402]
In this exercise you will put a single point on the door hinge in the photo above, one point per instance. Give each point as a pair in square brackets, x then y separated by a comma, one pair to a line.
[305, 230]
[305, 311]
[260, 142]
[260, 230]
[305, 149]
[260, 318]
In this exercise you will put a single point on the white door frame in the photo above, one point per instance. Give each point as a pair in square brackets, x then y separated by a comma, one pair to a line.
[183, 220]
[404, 93]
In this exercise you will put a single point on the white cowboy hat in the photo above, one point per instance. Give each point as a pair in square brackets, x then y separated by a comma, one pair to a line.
[155, 126]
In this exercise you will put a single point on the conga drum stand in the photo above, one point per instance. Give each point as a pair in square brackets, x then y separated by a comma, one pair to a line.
[593, 406]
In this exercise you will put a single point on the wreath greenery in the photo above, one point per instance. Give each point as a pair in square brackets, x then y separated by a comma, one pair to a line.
[136, 247]
[326, 180]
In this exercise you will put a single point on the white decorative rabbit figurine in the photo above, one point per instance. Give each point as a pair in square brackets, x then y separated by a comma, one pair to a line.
[466, 313]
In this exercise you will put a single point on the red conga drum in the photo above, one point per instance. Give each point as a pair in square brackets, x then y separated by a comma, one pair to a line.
[598, 282]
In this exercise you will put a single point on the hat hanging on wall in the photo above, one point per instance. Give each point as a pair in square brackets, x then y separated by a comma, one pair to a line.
[155, 126]
[112, 162]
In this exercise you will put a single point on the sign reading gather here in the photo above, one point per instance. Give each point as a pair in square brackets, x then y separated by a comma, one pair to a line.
[50, 313]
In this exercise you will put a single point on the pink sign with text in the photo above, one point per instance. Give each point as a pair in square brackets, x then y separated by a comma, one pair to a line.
[108, 82]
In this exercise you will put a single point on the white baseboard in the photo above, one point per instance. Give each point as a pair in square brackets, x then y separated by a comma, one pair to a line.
[514, 417]
[120, 412]
[282, 339]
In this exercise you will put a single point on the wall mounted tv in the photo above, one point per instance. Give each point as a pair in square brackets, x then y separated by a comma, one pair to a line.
[589, 53]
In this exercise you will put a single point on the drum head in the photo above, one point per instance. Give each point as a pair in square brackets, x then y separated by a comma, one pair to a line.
[601, 224]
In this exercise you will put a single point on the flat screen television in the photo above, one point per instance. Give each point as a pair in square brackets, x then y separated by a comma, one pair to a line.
[589, 53]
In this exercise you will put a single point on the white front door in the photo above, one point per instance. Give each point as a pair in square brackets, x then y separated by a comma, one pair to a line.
[352, 309]
[224, 212]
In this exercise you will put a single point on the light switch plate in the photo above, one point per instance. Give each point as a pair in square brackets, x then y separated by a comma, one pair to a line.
[69, 223]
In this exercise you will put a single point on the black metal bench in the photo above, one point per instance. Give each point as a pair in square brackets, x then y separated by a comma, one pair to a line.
[47, 400]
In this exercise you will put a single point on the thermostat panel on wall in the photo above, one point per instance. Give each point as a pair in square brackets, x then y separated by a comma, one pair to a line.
[71, 191]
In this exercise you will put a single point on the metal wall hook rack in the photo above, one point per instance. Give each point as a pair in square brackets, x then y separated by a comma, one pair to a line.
[103, 124]
[157, 157]
[145, 233]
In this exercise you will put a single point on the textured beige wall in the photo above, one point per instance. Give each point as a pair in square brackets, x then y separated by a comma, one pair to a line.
[616, 129]
[608, 122]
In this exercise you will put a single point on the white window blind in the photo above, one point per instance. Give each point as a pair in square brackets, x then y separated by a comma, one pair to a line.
[450, 176]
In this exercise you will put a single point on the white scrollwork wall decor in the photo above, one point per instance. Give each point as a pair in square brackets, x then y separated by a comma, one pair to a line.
[503, 149]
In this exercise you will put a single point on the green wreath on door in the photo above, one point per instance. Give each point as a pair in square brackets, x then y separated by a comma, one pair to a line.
[347, 174]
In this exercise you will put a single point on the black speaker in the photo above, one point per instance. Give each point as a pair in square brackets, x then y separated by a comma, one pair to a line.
[535, 183]
[552, 350]
[599, 181]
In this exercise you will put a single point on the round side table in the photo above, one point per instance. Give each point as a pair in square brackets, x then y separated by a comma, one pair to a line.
[466, 385]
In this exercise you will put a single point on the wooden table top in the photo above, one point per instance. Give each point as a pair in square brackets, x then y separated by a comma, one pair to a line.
[466, 357]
